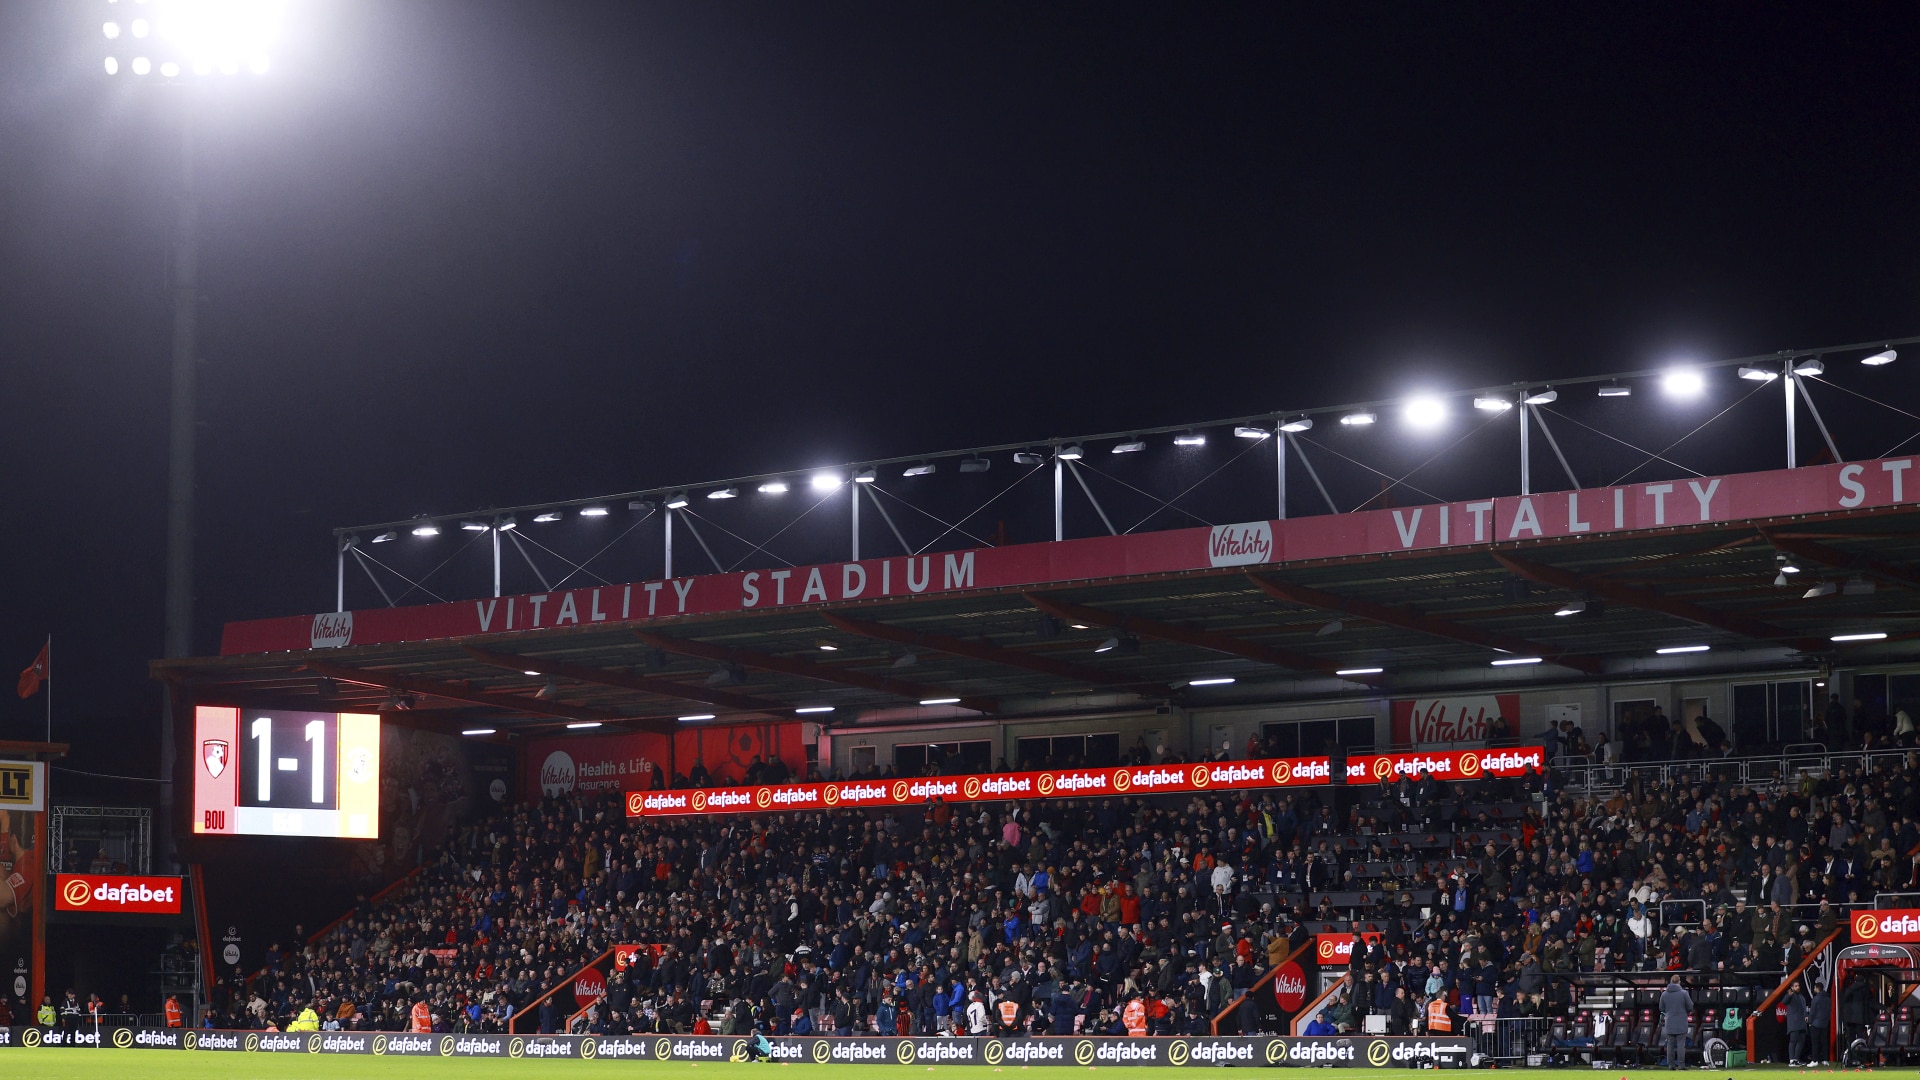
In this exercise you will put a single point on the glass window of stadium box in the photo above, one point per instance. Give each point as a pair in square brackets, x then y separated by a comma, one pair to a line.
[943, 759]
[1097, 751]
[1308, 738]
[1776, 713]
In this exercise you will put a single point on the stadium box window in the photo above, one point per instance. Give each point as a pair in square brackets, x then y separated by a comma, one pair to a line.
[1310, 738]
[1779, 713]
[947, 759]
[1096, 751]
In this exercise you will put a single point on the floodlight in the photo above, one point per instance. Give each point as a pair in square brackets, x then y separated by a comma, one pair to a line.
[139, 28]
[1812, 365]
[1331, 628]
[773, 487]
[975, 465]
[428, 529]
[1492, 404]
[1614, 389]
[1130, 446]
[548, 690]
[141, 65]
[506, 524]
[1190, 438]
[1425, 412]
[676, 501]
[1885, 356]
[593, 511]
[113, 66]
[220, 34]
[1858, 586]
[169, 70]
[1683, 383]
[386, 536]
[1825, 588]
[826, 481]
[112, 30]
[925, 468]
[1028, 457]
[1251, 433]
[1298, 424]
[639, 504]
[1071, 452]
[1543, 397]
[1758, 374]
[472, 526]
[1358, 419]
[1122, 643]
[862, 476]
[828, 646]
[1674, 650]
[724, 493]
[1574, 608]
[546, 518]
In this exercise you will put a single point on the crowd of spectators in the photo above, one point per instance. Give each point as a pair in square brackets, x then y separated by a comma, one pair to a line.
[1122, 915]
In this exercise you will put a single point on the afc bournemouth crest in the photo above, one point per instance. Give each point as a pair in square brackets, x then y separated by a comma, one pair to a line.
[214, 753]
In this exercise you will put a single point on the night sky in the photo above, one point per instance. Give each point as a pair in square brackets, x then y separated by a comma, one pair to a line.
[467, 254]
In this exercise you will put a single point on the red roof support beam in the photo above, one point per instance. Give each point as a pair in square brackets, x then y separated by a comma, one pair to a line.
[1401, 618]
[643, 684]
[988, 652]
[807, 669]
[1650, 600]
[1199, 639]
[1842, 560]
[472, 695]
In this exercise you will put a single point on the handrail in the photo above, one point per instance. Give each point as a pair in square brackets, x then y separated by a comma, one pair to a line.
[1319, 1003]
[315, 938]
[1786, 984]
[1285, 958]
[513, 1022]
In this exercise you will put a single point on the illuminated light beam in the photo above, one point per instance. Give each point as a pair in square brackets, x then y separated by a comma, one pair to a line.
[992, 654]
[1400, 618]
[807, 669]
[1213, 641]
[1649, 600]
[643, 684]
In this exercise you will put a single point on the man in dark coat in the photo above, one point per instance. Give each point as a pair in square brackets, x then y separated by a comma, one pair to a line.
[1796, 1027]
[1676, 1019]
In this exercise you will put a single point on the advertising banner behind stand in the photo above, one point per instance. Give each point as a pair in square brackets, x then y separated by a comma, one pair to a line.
[1077, 783]
[117, 894]
[1262, 1051]
[1891, 926]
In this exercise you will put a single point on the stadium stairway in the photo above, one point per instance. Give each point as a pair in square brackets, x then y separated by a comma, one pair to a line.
[1228, 1014]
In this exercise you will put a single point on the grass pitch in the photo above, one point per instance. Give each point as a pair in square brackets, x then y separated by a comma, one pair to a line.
[90, 1064]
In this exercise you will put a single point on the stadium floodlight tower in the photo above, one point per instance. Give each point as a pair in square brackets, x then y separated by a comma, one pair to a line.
[175, 44]
[186, 48]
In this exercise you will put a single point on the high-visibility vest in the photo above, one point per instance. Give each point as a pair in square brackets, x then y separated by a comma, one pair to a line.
[45, 1016]
[1134, 1016]
[422, 1018]
[173, 1013]
[1009, 1011]
[1437, 1019]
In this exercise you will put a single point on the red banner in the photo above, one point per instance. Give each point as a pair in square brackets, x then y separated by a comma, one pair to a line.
[117, 894]
[1893, 926]
[1336, 950]
[1425, 721]
[1446, 764]
[990, 787]
[1742, 498]
[566, 765]
[623, 954]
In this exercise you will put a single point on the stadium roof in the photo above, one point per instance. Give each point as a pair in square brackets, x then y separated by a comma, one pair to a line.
[1768, 571]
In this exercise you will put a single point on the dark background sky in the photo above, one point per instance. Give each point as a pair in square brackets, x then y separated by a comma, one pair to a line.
[472, 253]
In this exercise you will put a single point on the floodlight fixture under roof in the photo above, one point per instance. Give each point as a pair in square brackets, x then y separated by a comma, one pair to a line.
[860, 476]
[1245, 432]
[1298, 424]
[677, 501]
[426, 529]
[1190, 438]
[1363, 418]
[1489, 403]
[773, 487]
[1811, 365]
[1683, 383]
[1070, 452]
[1615, 389]
[1028, 457]
[1542, 397]
[924, 468]
[975, 465]
[724, 493]
[1130, 446]
[593, 511]
[1884, 356]
[547, 517]
[826, 481]
[1756, 373]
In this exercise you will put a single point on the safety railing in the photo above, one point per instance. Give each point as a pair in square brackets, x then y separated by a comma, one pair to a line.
[1511, 1039]
[1767, 770]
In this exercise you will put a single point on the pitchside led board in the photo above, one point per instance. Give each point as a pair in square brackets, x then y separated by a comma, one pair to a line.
[267, 772]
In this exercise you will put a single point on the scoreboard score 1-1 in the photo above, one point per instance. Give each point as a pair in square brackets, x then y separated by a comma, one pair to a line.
[267, 772]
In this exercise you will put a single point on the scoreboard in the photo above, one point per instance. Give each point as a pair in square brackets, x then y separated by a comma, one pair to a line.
[270, 772]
